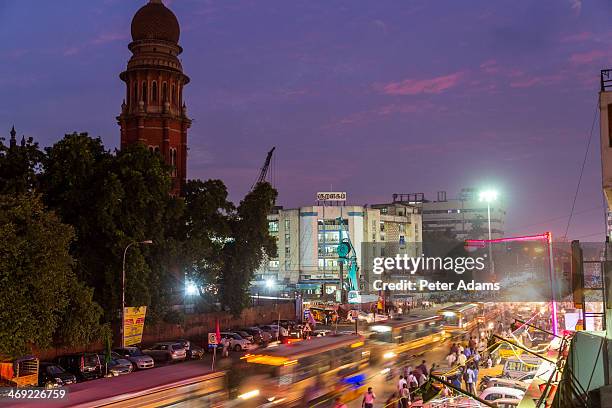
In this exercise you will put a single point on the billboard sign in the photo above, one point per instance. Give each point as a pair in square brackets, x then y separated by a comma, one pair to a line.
[133, 325]
[331, 196]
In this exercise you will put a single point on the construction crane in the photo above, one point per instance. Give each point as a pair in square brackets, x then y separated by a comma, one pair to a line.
[264, 170]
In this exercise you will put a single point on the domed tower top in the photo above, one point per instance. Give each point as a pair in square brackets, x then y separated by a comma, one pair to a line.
[154, 21]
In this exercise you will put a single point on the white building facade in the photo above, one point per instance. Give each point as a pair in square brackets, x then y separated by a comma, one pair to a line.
[307, 238]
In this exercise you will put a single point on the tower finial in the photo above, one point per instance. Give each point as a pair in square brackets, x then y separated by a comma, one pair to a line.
[13, 142]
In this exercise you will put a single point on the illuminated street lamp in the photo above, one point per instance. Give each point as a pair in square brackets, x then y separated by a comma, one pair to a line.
[145, 242]
[489, 196]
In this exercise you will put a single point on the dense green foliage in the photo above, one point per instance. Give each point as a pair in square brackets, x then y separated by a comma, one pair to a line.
[101, 202]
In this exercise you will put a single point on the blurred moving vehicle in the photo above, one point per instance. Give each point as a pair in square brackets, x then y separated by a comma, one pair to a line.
[21, 372]
[51, 375]
[117, 365]
[167, 351]
[237, 343]
[136, 356]
[517, 367]
[309, 369]
[460, 317]
[403, 334]
[274, 330]
[85, 366]
[193, 352]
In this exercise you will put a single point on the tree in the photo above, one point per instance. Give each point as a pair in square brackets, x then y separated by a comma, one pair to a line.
[207, 229]
[250, 245]
[113, 200]
[37, 282]
[19, 166]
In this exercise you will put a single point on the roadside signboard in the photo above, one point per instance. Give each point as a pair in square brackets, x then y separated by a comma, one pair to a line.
[331, 196]
[212, 339]
[133, 325]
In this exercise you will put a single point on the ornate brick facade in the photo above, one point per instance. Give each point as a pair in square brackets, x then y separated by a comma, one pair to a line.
[153, 112]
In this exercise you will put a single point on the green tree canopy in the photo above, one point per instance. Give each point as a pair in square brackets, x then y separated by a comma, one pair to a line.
[37, 283]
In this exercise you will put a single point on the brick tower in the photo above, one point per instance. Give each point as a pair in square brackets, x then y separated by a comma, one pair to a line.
[153, 111]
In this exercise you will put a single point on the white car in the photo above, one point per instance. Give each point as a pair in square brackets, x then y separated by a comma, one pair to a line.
[496, 393]
[237, 343]
[506, 382]
[367, 317]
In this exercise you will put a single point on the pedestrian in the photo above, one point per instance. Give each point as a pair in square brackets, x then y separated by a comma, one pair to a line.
[405, 396]
[339, 404]
[400, 383]
[489, 362]
[226, 343]
[421, 378]
[451, 359]
[469, 379]
[433, 367]
[461, 359]
[368, 399]
[413, 383]
[423, 367]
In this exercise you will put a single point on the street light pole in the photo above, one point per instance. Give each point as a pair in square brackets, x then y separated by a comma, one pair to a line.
[147, 242]
[488, 196]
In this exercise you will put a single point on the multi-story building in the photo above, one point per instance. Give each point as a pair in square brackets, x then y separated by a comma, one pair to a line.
[307, 239]
[465, 216]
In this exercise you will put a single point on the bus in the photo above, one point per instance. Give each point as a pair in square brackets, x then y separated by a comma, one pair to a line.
[460, 317]
[403, 334]
[189, 386]
[310, 369]
[489, 313]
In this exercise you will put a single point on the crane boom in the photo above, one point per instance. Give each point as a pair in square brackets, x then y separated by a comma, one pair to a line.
[264, 170]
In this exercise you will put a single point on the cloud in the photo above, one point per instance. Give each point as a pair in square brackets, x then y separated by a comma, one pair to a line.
[587, 57]
[71, 51]
[490, 66]
[104, 38]
[577, 37]
[419, 86]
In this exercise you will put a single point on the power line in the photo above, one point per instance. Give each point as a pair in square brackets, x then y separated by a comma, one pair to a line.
[562, 217]
[586, 154]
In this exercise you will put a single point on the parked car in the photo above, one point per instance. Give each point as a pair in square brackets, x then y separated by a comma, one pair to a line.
[51, 375]
[274, 330]
[167, 351]
[495, 393]
[245, 335]
[116, 366]
[503, 382]
[237, 343]
[193, 352]
[259, 336]
[138, 359]
[85, 366]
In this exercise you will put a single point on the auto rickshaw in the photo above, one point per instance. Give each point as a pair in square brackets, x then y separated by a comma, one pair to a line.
[21, 372]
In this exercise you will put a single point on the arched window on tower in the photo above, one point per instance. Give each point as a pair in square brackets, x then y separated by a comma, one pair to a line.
[164, 92]
[135, 93]
[173, 161]
[156, 149]
[154, 91]
[144, 93]
[173, 96]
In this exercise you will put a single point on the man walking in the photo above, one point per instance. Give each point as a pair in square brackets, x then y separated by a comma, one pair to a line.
[368, 399]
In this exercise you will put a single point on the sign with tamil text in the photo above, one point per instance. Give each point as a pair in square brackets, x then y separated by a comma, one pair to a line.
[331, 196]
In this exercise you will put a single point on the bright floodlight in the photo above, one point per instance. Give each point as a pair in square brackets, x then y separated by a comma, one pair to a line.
[488, 195]
[191, 289]
[269, 283]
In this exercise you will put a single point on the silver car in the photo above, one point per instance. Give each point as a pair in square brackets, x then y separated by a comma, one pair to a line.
[138, 358]
[167, 351]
